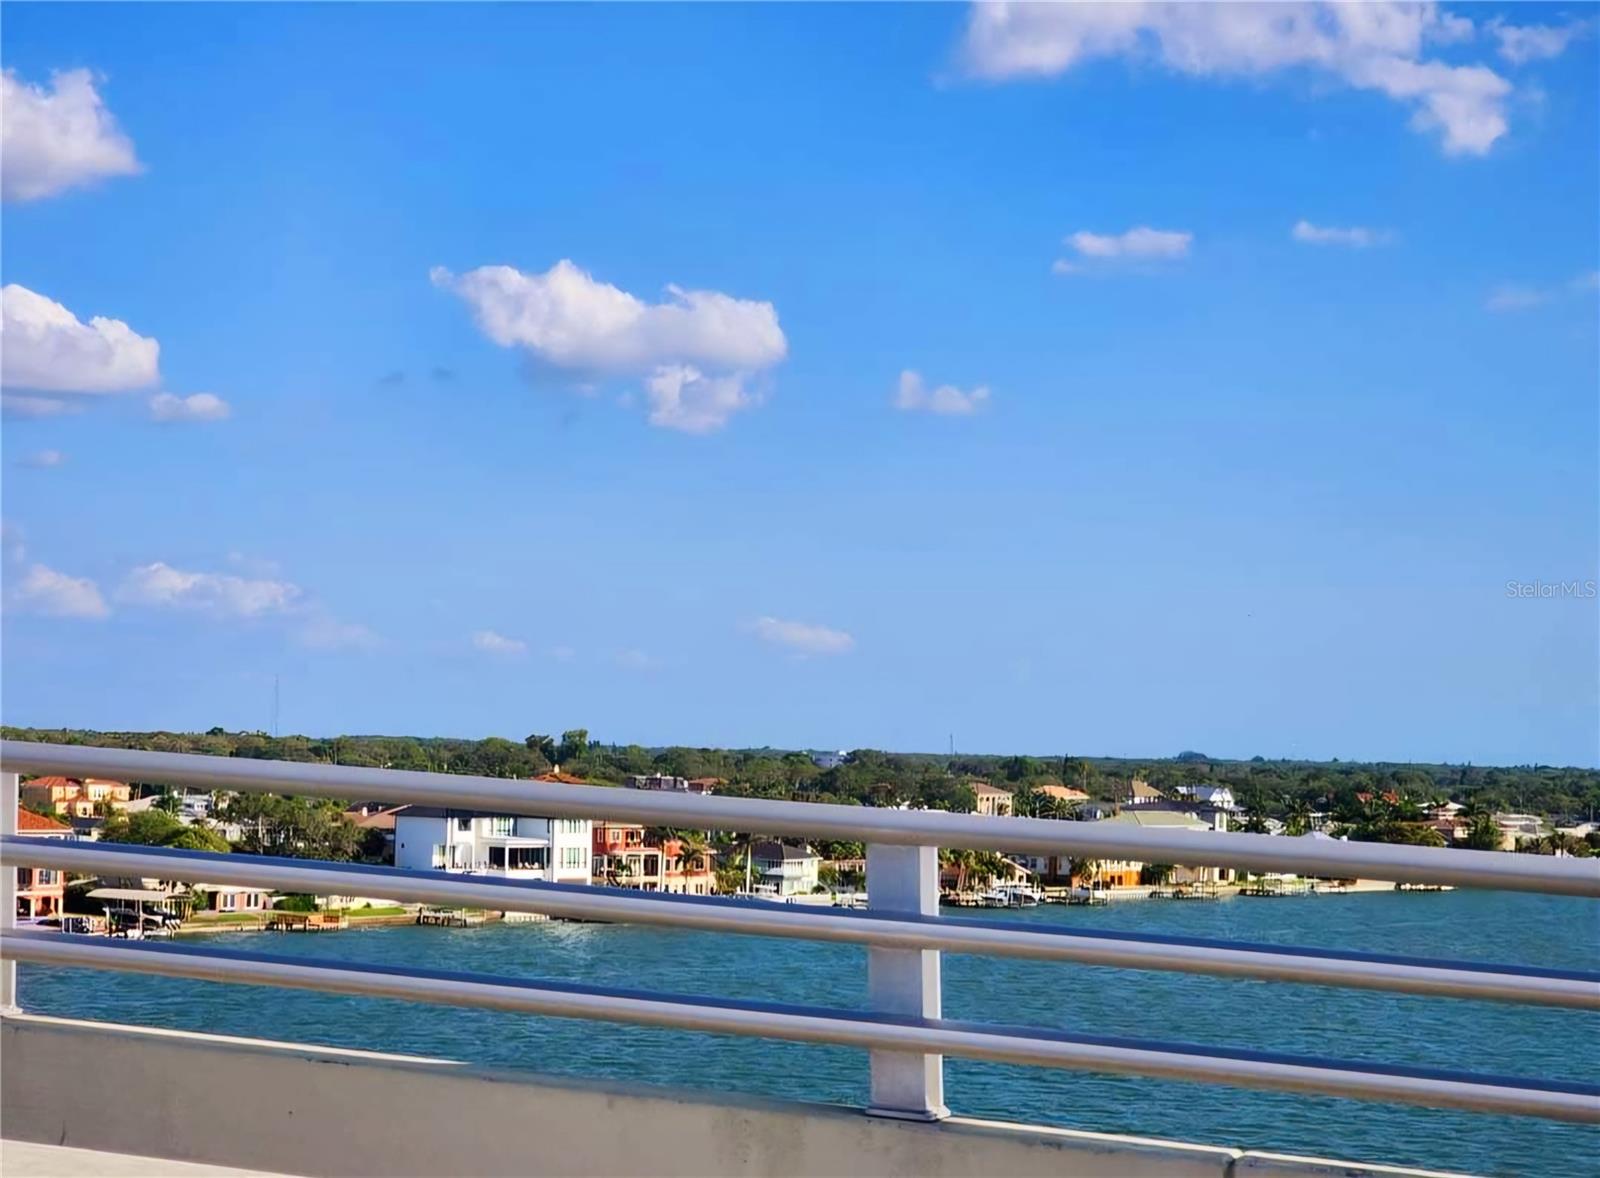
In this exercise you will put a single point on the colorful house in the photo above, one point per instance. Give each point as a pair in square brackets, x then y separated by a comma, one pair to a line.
[621, 858]
[75, 797]
[685, 871]
[40, 890]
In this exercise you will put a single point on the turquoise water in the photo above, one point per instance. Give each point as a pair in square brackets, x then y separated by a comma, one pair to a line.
[1477, 1036]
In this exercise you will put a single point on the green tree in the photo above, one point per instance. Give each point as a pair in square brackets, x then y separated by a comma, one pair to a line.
[1483, 832]
[574, 743]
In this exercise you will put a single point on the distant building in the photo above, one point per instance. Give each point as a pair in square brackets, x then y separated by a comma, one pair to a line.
[1140, 792]
[992, 800]
[1217, 797]
[430, 838]
[1151, 817]
[227, 898]
[685, 872]
[621, 858]
[829, 760]
[75, 797]
[1061, 793]
[682, 785]
[784, 870]
[40, 890]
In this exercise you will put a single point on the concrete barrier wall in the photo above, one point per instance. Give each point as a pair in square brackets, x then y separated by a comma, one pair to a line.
[295, 1109]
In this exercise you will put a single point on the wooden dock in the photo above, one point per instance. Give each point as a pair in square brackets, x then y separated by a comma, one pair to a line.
[306, 922]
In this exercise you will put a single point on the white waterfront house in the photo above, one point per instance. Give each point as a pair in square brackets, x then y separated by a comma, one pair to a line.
[785, 870]
[829, 760]
[429, 838]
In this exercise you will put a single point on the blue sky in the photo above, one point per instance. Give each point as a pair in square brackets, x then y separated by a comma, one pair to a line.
[1170, 472]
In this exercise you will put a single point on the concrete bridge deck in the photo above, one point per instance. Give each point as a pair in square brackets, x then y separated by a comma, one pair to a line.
[137, 1101]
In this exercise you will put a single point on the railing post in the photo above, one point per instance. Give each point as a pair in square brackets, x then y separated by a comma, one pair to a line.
[905, 1084]
[9, 787]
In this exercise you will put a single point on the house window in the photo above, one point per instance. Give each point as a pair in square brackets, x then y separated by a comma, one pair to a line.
[438, 856]
[572, 856]
[502, 825]
[464, 825]
[227, 902]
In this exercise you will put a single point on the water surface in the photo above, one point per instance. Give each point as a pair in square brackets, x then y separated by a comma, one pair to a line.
[1553, 1044]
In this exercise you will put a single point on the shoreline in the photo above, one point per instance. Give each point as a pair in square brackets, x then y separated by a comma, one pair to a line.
[1111, 895]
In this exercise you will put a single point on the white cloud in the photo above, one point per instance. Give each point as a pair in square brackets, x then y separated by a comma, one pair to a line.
[1521, 297]
[57, 138]
[161, 585]
[195, 407]
[44, 459]
[684, 398]
[320, 631]
[912, 396]
[696, 351]
[1139, 244]
[1373, 46]
[563, 654]
[493, 643]
[18, 405]
[1520, 44]
[1355, 236]
[803, 637]
[47, 349]
[1516, 298]
[43, 590]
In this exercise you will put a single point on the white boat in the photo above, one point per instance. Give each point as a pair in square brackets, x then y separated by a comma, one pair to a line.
[1010, 895]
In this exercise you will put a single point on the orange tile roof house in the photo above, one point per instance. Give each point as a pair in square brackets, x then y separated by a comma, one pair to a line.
[1062, 793]
[75, 796]
[40, 890]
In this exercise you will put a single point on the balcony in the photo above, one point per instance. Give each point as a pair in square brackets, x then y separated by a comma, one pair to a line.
[907, 1127]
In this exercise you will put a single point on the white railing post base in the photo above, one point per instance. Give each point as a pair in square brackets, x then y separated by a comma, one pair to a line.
[906, 1085]
[9, 792]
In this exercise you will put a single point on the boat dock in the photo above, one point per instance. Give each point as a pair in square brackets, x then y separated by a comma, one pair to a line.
[451, 917]
[306, 922]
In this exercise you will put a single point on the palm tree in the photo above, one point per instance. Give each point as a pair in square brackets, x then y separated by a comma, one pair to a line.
[692, 850]
[1083, 868]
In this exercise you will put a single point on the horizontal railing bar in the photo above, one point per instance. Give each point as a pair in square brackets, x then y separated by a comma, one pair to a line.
[1459, 979]
[1002, 1044]
[1105, 840]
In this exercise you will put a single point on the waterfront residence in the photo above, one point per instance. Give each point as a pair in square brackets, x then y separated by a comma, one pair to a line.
[377, 816]
[992, 800]
[75, 797]
[621, 858]
[430, 838]
[227, 898]
[1153, 818]
[687, 871]
[829, 760]
[40, 890]
[783, 869]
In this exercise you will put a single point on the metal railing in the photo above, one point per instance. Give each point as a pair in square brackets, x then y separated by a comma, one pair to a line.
[903, 1032]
